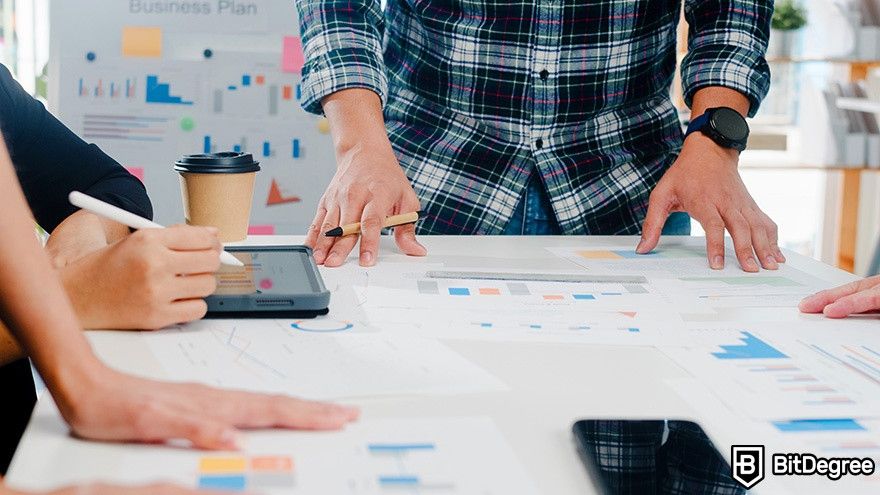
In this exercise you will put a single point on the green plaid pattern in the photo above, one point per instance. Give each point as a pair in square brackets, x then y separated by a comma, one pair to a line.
[480, 95]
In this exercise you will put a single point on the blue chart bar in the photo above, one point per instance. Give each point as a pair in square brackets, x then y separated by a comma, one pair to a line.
[231, 482]
[295, 146]
[81, 87]
[128, 88]
[158, 92]
[232, 88]
[398, 481]
[798, 425]
[398, 448]
[299, 92]
[459, 291]
[751, 348]
[207, 144]
[245, 80]
[584, 297]
[267, 149]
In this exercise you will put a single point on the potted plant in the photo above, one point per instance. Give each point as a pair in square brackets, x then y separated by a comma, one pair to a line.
[787, 19]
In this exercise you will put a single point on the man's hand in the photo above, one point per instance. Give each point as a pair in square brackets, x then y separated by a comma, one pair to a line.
[80, 234]
[369, 184]
[150, 279]
[111, 406]
[856, 297]
[705, 183]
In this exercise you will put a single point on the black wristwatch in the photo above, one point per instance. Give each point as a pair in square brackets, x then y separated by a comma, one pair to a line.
[723, 125]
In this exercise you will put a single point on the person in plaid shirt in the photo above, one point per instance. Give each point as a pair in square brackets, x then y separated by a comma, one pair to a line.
[533, 117]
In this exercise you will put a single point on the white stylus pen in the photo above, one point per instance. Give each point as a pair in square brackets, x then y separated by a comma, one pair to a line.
[111, 212]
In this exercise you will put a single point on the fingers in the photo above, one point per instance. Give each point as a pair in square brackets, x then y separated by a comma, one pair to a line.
[324, 243]
[315, 228]
[713, 225]
[818, 301]
[372, 220]
[405, 235]
[278, 411]
[742, 240]
[351, 212]
[203, 432]
[189, 238]
[187, 310]
[194, 262]
[764, 251]
[659, 206]
[193, 286]
[860, 302]
[773, 236]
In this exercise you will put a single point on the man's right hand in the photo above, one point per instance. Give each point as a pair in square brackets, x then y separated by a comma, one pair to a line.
[369, 184]
[148, 280]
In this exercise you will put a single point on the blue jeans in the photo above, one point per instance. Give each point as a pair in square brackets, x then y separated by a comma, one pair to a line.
[534, 215]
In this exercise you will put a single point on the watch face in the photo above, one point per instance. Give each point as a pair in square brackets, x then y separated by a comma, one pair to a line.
[730, 124]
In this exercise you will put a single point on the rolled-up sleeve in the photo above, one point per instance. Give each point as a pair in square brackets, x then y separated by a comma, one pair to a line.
[342, 44]
[727, 41]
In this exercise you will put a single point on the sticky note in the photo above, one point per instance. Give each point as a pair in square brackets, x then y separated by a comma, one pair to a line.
[490, 291]
[292, 58]
[261, 230]
[599, 255]
[232, 482]
[272, 463]
[215, 465]
[140, 41]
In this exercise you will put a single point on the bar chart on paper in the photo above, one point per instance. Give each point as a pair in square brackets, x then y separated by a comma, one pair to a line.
[793, 378]
[519, 307]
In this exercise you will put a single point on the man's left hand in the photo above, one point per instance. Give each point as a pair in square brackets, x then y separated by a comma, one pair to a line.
[705, 183]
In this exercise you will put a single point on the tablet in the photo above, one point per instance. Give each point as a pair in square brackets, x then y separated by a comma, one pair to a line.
[275, 282]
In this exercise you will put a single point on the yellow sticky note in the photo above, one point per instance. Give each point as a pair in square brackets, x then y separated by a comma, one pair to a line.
[599, 255]
[214, 465]
[140, 41]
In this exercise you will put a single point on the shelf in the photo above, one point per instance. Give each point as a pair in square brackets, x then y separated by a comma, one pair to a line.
[858, 104]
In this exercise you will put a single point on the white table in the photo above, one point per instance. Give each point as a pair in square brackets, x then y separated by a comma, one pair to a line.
[551, 385]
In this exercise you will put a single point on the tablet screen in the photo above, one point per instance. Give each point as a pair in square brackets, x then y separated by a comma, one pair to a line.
[265, 272]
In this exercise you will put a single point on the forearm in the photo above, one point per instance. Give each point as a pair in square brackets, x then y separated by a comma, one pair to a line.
[719, 96]
[356, 119]
[34, 305]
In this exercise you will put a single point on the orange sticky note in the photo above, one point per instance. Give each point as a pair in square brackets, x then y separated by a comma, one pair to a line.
[272, 463]
[599, 255]
[553, 297]
[490, 291]
[141, 41]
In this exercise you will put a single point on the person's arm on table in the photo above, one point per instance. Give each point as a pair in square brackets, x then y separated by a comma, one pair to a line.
[100, 403]
[344, 77]
[724, 67]
[861, 296]
[105, 489]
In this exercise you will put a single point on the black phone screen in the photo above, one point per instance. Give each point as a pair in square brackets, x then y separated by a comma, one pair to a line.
[652, 457]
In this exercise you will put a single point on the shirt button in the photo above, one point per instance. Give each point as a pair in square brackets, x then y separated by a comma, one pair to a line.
[544, 74]
[539, 143]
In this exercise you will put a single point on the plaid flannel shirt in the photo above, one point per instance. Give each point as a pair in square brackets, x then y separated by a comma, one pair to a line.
[479, 95]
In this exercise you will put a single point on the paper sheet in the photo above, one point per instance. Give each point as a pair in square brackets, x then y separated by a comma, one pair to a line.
[322, 358]
[458, 455]
[786, 372]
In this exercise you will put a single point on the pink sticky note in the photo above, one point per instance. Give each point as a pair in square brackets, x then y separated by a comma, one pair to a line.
[261, 230]
[292, 58]
[137, 172]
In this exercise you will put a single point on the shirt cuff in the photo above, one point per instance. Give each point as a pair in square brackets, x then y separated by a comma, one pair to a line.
[742, 69]
[340, 69]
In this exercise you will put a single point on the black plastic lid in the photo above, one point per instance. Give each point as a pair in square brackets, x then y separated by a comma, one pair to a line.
[227, 162]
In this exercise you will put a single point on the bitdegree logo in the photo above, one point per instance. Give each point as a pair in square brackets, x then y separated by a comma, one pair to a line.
[833, 468]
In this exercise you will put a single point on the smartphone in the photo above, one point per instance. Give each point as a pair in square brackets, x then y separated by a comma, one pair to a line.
[652, 457]
[275, 282]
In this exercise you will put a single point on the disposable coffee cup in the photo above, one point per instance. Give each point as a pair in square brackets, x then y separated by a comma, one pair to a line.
[218, 189]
